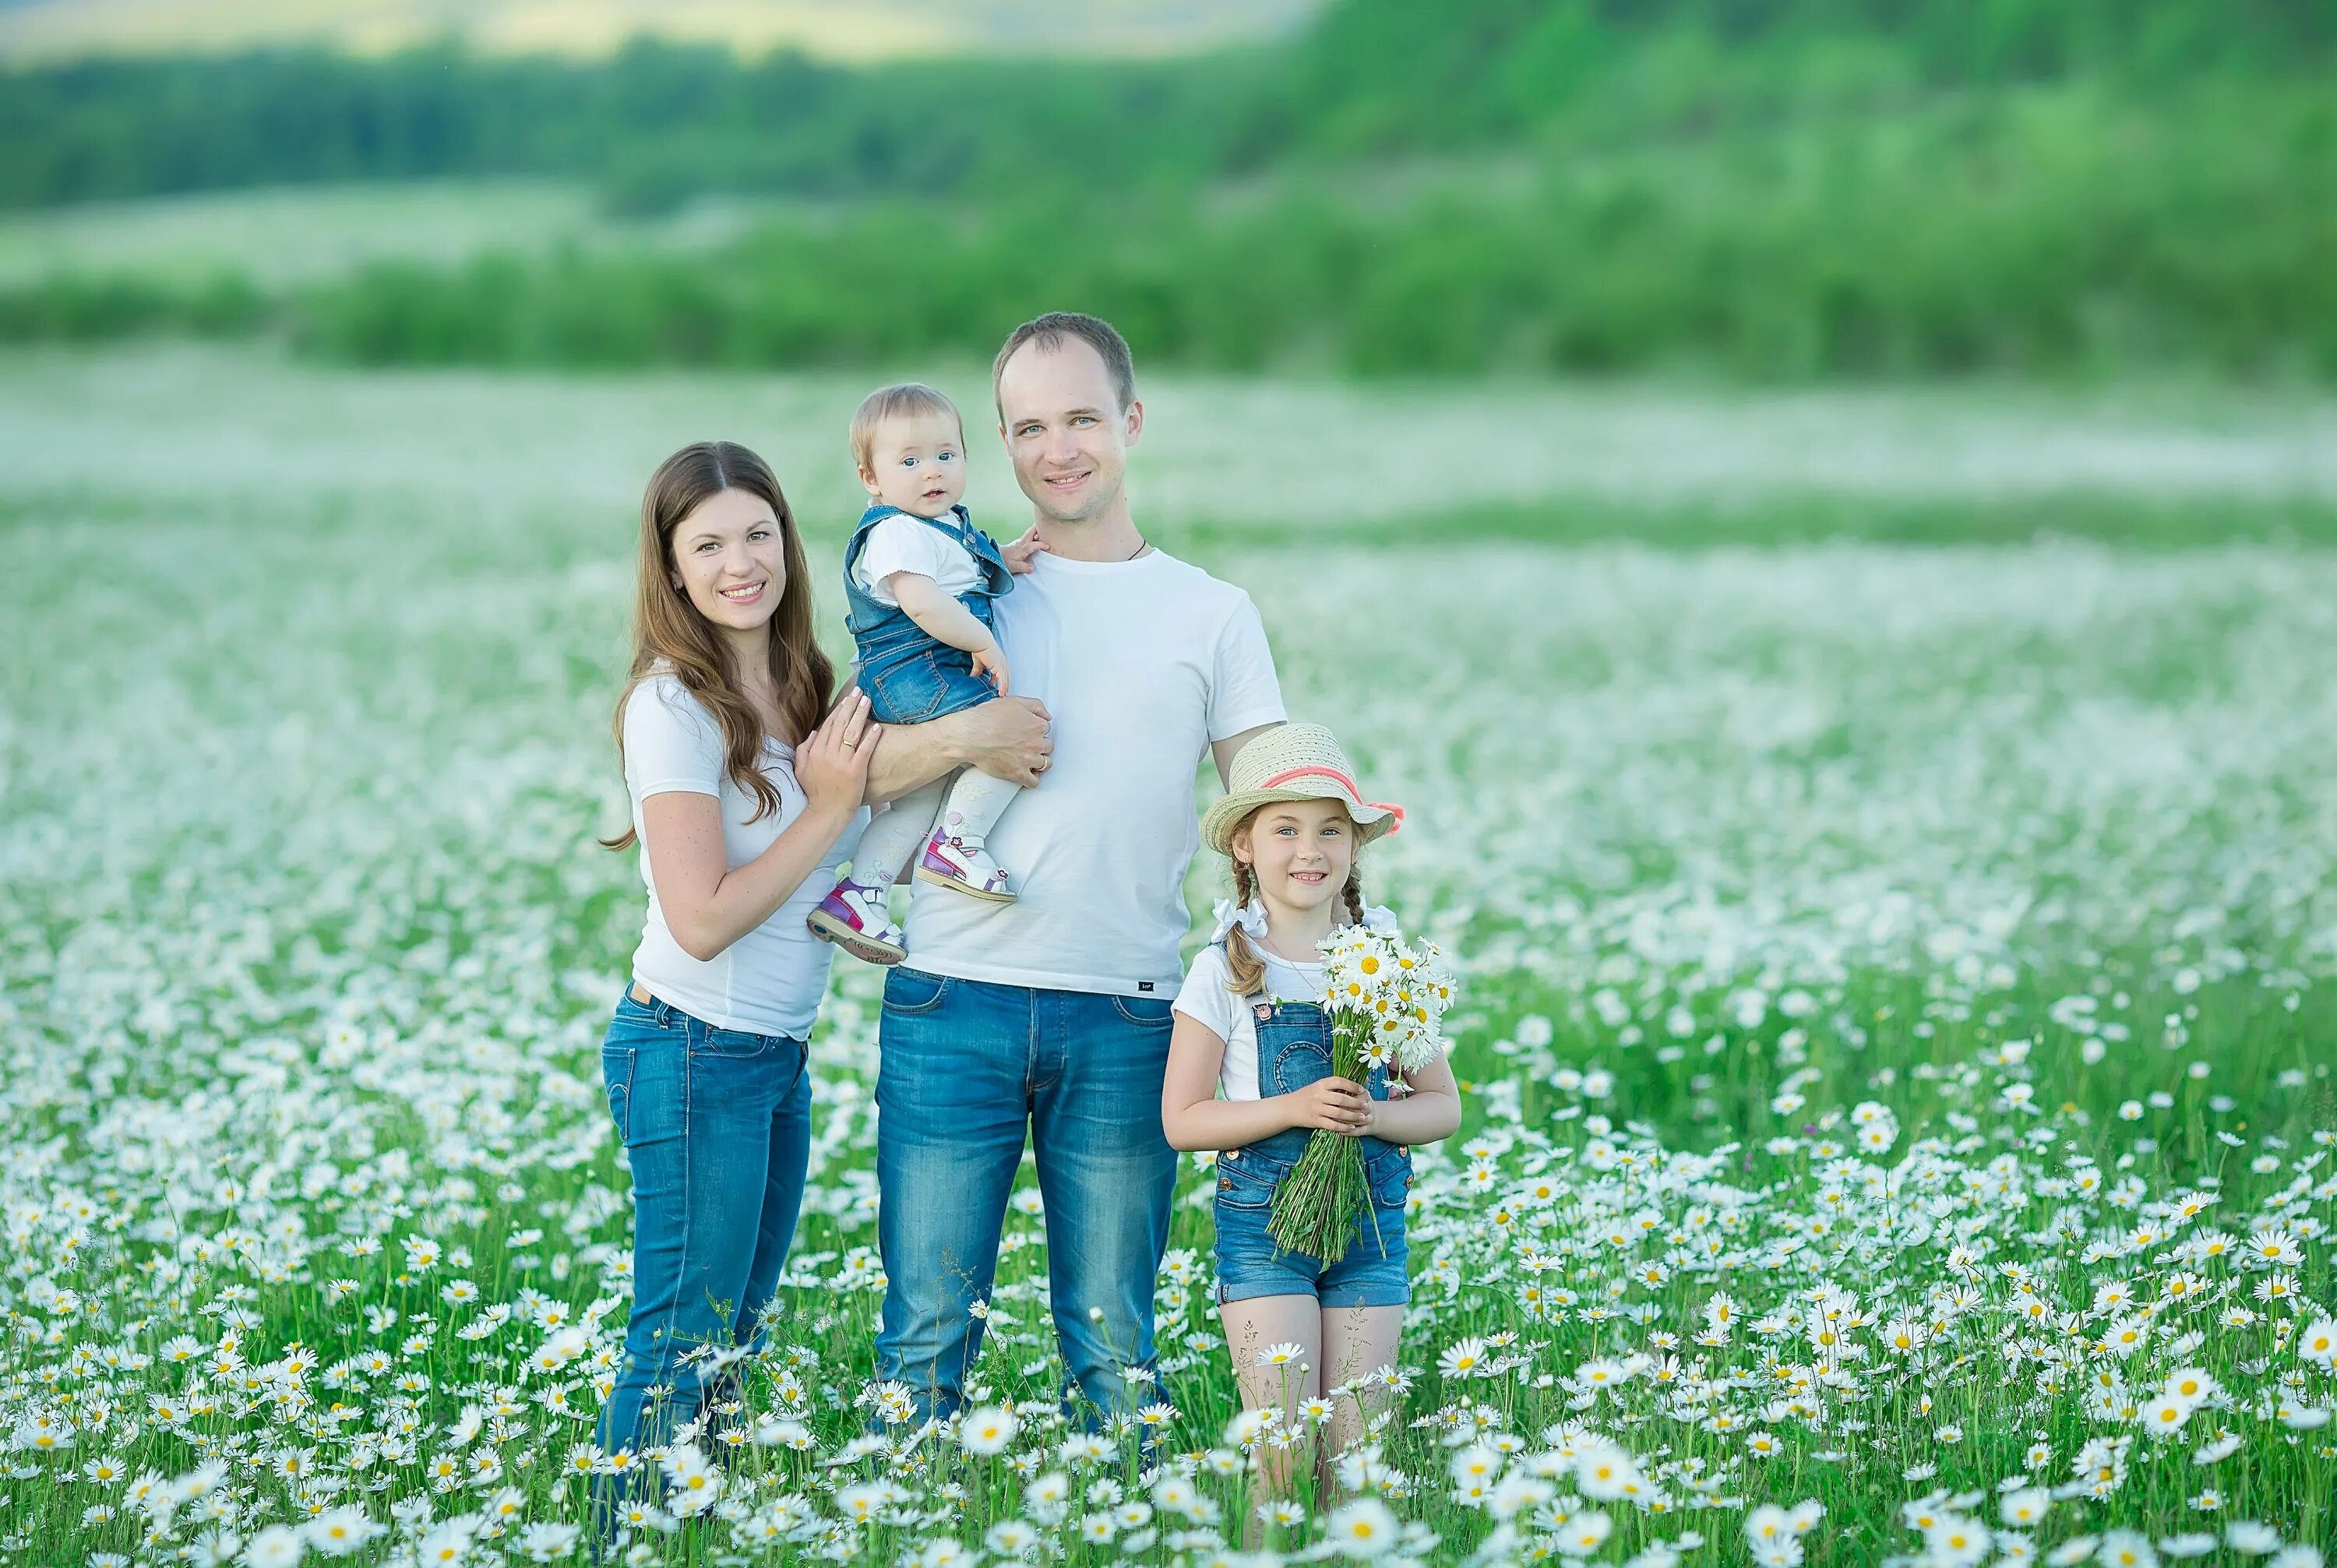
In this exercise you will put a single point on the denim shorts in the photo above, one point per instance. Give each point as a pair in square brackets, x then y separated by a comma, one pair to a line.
[1250, 1263]
[926, 686]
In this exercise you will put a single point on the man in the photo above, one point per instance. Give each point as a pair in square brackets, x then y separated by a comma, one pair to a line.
[1048, 1016]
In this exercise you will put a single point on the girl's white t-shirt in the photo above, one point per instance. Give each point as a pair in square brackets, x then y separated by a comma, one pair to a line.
[769, 981]
[1204, 1000]
[899, 544]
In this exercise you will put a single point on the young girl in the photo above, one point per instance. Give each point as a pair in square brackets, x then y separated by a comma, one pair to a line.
[1249, 1073]
[744, 800]
[919, 577]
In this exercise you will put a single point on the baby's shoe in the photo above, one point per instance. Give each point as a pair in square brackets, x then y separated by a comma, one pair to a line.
[854, 917]
[949, 861]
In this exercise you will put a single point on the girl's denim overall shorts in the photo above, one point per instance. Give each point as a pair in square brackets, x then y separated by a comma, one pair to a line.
[1293, 1049]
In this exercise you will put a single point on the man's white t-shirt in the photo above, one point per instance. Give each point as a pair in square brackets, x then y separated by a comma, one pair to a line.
[899, 544]
[1142, 664]
[1204, 1000]
[769, 981]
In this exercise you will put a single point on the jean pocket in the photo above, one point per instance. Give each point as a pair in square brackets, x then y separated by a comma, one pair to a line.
[1248, 1183]
[733, 1044]
[912, 692]
[909, 992]
[1144, 1012]
[617, 1069]
[1389, 1177]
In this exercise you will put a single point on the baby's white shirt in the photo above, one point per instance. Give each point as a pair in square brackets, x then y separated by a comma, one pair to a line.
[905, 543]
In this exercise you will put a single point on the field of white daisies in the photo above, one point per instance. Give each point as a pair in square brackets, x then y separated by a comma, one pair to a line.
[1897, 1036]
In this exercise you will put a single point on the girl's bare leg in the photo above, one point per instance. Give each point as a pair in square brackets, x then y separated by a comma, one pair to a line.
[1356, 1342]
[1251, 1326]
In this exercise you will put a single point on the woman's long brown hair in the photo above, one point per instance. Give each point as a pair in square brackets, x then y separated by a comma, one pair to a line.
[1245, 966]
[668, 629]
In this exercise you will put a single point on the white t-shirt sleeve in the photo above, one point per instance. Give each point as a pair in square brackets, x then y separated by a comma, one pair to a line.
[906, 545]
[1204, 998]
[1243, 691]
[672, 744]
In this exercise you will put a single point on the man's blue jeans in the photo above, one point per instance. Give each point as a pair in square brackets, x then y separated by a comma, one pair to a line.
[717, 1124]
[964, 1066]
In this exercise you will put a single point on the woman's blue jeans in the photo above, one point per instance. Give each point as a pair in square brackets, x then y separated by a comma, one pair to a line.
[717, 1124]
[965, 1070]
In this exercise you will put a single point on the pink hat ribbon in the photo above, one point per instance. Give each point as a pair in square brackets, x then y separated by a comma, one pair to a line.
[1317, 771]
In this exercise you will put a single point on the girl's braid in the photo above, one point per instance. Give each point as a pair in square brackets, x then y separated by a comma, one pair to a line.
[1244, 970]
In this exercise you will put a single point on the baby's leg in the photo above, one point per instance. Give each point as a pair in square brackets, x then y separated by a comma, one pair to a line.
[976, 801]
[896, 834]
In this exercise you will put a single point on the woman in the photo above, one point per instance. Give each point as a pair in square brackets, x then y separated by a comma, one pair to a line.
[745, 801]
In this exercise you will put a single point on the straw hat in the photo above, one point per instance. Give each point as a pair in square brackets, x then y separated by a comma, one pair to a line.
[1294, 762]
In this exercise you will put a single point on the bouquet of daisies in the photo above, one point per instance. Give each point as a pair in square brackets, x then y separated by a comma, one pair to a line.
[1385, 999]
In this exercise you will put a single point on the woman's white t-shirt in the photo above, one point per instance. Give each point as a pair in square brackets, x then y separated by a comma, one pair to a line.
[902, 543]
[769, 981]
[1204, 1000]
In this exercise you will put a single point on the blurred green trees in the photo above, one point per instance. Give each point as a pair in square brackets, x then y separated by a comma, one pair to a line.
[1766, 188]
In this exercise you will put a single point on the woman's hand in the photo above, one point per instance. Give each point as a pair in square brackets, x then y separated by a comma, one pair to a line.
[831, 764]
[1330, 1102]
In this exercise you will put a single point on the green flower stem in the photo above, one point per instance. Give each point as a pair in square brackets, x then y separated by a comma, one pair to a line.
[1315, 1206]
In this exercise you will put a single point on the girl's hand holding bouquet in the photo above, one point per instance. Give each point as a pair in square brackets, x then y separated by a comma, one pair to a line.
[1332, 1105]
[1386, 1000]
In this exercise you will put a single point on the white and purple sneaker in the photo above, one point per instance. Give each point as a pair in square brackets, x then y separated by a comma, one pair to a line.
[949, 861]
[855, 918]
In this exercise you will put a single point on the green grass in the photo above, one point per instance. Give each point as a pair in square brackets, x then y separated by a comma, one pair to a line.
[307, 952]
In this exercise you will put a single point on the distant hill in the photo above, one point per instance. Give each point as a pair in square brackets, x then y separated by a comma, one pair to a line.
[53, 30]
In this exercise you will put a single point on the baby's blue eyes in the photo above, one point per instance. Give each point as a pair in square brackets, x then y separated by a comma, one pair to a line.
[912, 462]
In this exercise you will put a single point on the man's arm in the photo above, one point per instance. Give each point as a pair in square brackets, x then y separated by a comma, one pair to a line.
[1007, 738]
[1223, 751]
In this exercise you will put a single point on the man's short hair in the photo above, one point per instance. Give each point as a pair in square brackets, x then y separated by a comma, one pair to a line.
[902, 400]
[1049, 331]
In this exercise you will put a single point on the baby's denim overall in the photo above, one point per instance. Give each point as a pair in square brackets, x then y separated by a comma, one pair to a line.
[909, 675]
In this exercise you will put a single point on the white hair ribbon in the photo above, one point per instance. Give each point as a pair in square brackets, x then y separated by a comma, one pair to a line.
[1251, 919]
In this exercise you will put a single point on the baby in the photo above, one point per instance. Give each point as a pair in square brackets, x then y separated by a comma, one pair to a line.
[919, 578]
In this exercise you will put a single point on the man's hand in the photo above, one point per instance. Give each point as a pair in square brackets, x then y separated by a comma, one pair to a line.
[990, 663]
[1007, 738]
[1019, 556]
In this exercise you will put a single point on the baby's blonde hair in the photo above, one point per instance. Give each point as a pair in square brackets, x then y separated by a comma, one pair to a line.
[902, 400]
